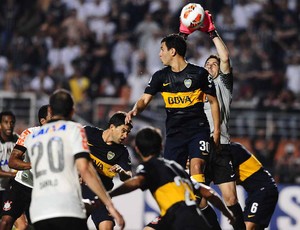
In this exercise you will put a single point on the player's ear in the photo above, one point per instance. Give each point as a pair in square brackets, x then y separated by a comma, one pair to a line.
[49, 110]
[173, 52]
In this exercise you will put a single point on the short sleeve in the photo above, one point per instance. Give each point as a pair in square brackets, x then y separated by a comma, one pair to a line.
[155, 84]
[79, 141]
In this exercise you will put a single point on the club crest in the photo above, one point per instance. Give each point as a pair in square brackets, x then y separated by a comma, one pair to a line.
[110, 155]
[187, 83]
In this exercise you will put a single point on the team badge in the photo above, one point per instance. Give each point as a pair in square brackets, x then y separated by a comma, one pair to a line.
[7, 205]
[187, 83]
[110, 155]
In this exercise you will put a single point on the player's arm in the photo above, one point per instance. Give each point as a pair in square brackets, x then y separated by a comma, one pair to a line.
[128, 186]
[139, 106]
[7, 174]
[124, 175]
[90, 177]
[209, 28]
[223, 54]
[16, 159]
[213, 197]
[215, 112]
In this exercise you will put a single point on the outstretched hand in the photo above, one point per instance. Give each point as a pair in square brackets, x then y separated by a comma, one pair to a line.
[206, 27]
[208, 23]
[129, 115]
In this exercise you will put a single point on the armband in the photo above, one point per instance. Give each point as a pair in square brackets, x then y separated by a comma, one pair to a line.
[213, 34]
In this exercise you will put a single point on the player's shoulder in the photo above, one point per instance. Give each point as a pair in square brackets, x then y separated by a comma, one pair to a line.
[193, 68]
[92, 130]
[15, 137]
[162, 72]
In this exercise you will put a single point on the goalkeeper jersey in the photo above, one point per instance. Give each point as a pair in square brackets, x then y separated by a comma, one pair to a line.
[224, 86]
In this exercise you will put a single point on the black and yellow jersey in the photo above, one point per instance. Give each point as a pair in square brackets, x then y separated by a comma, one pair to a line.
[168, 183]
[250, 172]
[105, 156]
[184, 96]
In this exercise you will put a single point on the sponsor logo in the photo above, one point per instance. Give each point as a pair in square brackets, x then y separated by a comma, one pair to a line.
[187, 83]
[250, 216]
[165, 84]
[179, 100]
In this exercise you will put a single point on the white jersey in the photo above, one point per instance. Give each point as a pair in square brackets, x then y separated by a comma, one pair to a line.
[24, 177]
[6, 148]
[224, 86]
[56, 190]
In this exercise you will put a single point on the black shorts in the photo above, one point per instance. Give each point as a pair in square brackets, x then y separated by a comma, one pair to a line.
[180, 148]
[17, 201]
[178, 217]
[219, 167]
[100, 213]
[61, 223]
[260, 206]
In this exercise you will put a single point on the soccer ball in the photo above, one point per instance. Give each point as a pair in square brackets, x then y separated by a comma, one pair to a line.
[192, 15]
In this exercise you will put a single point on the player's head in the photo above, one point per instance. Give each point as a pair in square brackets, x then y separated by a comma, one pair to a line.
[118, 128]
[148, 142]
[172, 45]
[61, 104]
[212, 65]
[43, 114]
[7, 124]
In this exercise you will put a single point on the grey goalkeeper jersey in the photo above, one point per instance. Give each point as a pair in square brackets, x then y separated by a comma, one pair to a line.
[224, 86]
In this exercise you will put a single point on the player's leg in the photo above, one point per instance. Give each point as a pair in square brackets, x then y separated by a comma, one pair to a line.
[199, 155]
[102, 219]
[229, 195]
[224, 176]
[16, 200]
[21, 223]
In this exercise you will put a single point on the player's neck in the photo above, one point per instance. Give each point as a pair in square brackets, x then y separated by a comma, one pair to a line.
[106, 137]
[178, 65]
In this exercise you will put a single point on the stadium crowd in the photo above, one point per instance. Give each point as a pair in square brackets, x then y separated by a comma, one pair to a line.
[109, 48]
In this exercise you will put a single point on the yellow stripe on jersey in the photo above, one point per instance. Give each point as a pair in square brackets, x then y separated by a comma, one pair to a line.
[249, 167]
[199, 178]
[170, 194]
[102, 167]
[183, 99]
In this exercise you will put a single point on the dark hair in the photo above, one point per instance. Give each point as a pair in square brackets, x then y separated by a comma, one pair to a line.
[7, 113]
[213, 56]
[118, 119]
[43, 112]
[61, 103]
[177, 42]
[148, 141]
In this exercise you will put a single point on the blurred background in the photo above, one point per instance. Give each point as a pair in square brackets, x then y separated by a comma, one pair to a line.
[105, 51]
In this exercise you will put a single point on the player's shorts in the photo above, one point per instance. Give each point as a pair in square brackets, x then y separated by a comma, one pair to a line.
[61, 223]
[17, 201]
[180, 148]
[260, 206]
[178, 217]
[219, 168]
[100, 213]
